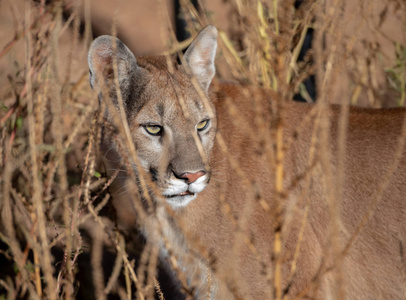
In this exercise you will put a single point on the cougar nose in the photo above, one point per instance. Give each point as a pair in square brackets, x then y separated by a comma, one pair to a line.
[192, 177]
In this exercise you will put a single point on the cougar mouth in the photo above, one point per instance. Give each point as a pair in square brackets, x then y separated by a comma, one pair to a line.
[187, 193]
[180, 200]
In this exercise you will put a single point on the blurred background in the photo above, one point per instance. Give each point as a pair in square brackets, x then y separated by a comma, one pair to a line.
[371, 36]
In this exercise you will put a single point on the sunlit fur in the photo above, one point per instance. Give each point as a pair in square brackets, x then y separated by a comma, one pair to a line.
[229, 222]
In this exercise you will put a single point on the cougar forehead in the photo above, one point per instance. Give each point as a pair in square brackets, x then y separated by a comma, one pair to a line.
[170, 97]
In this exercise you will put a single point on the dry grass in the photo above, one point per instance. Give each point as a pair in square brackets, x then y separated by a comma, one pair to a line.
[58, 239]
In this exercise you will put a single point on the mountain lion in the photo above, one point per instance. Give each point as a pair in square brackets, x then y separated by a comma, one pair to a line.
[250, 198]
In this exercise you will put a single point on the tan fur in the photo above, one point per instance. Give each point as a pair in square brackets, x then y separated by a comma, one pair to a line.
[228, 224]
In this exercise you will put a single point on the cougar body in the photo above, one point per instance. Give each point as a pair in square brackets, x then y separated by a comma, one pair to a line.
[209, 154]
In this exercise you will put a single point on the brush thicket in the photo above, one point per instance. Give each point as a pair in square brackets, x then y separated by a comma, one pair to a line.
[58, 235]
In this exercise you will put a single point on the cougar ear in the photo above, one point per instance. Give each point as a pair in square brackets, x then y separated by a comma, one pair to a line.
[200, 56]
[100, 59]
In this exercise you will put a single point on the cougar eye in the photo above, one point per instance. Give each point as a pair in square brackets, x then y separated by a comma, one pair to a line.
[202, 125]
[153, 129]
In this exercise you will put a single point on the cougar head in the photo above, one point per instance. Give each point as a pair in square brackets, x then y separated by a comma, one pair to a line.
[170, 116]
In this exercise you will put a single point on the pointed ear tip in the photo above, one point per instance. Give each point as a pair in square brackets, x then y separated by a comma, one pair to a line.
[102, 39]
[102, 42]
[96, 43]
[212, 29]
